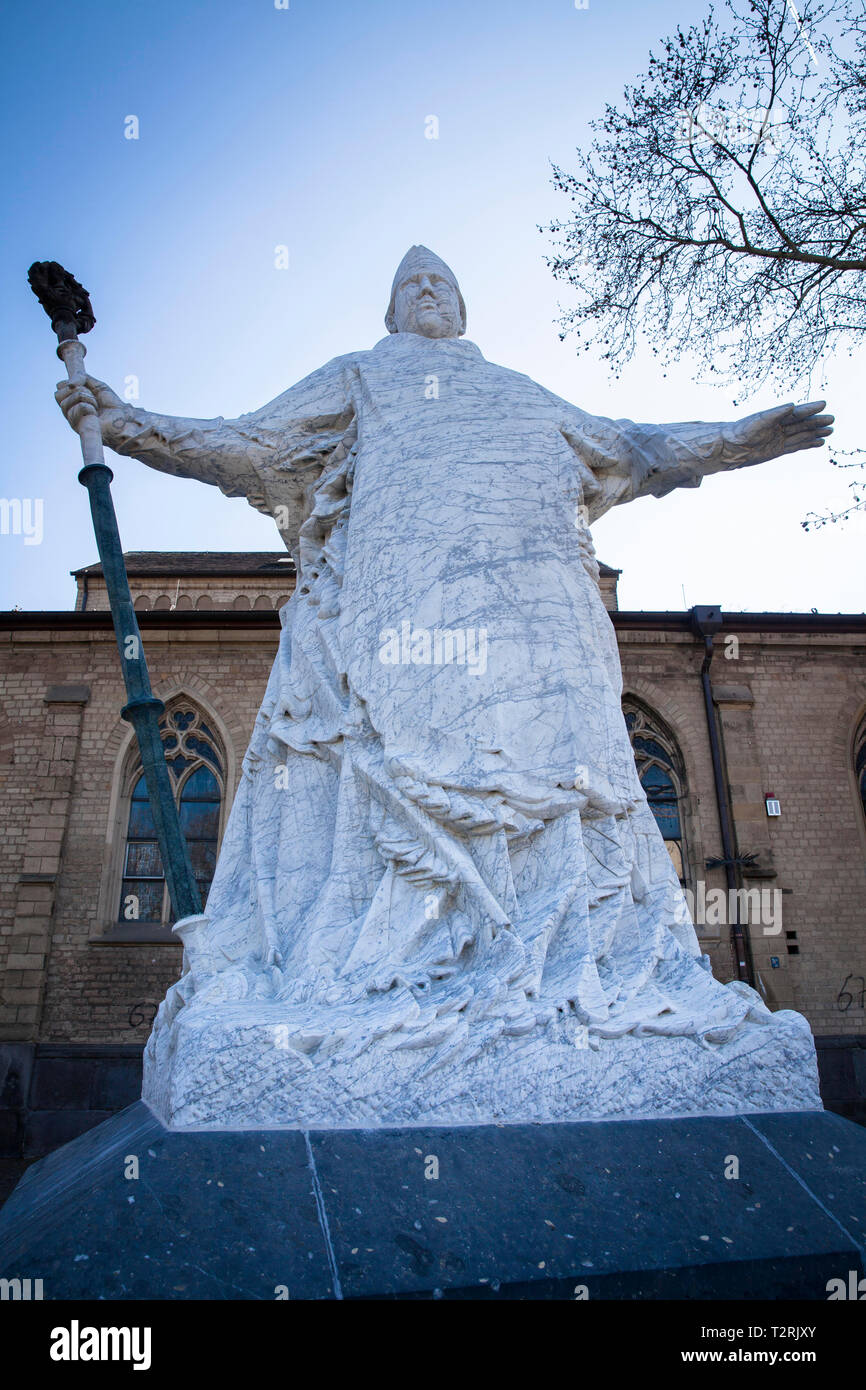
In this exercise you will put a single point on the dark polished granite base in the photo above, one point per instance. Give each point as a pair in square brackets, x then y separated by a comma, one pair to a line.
[757, 1207]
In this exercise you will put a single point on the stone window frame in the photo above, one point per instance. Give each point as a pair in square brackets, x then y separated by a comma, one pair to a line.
[127, 772]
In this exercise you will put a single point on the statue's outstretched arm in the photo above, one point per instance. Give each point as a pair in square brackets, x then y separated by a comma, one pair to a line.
[626, 460]
[225, 453]
[680, 455]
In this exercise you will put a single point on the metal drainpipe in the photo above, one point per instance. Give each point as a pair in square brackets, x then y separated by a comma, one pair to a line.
[707, 620]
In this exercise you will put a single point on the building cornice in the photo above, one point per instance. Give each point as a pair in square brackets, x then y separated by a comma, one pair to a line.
[267, 619]
[854, 623]
[178, 619]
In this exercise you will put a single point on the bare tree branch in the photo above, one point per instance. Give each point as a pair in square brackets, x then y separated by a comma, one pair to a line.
[722, 212]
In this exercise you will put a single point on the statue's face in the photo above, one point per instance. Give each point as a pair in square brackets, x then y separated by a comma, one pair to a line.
[427, 303]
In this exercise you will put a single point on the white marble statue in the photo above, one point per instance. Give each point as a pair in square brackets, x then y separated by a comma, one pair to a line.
[441, 896]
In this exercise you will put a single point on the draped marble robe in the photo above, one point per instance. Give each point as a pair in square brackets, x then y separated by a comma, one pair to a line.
[437, 855]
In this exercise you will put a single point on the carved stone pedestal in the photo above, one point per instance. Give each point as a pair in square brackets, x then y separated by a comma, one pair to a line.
[748, 1207]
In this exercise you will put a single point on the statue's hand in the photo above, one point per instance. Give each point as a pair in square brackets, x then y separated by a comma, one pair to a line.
[87, 396]
[783, 430]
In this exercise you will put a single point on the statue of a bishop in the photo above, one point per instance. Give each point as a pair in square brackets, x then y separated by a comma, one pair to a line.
[442, 896]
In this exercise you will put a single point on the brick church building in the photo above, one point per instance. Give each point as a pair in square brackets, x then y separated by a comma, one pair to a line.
[749, 731]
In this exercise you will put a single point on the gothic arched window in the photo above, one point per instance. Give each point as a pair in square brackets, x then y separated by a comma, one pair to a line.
[662, 776]
[196, 767]
[860, 762]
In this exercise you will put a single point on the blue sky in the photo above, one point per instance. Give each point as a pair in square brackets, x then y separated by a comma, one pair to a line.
[305, 127]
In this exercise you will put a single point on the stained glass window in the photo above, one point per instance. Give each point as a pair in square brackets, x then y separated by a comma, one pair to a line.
[196, 768]
[660, 769]
[860, 763]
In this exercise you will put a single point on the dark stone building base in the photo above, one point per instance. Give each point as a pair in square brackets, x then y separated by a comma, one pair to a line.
[52, 1092]
[757, 1207]
[842, 1073]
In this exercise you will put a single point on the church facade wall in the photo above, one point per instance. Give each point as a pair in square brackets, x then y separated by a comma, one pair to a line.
[77, 995]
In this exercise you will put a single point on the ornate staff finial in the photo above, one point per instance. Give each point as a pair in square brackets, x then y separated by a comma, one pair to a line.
[66, 303]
